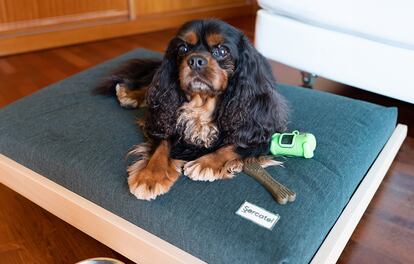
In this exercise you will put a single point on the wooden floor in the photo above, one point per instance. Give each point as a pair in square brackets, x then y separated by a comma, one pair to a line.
[29, 234]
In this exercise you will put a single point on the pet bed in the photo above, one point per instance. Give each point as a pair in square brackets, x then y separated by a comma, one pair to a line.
[64, 149]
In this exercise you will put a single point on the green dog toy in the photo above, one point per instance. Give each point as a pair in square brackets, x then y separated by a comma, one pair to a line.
[293, 144]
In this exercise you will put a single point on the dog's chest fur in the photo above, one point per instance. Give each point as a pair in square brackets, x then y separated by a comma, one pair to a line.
[195, 124]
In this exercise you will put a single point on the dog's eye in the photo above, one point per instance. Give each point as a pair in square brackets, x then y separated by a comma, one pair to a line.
[182, 49]
[220, 51]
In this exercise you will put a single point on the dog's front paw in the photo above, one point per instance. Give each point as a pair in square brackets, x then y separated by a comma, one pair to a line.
[197, 172]
[207, 169]
[147, 184]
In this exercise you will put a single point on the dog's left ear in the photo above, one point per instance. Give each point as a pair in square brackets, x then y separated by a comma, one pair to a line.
[252, 110]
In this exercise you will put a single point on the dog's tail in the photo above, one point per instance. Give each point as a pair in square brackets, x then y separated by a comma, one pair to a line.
[133, 74]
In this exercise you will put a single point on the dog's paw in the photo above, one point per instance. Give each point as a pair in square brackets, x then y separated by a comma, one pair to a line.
[123, 98]
[197, 172]
[148, 184]
[147, 181]
[202, 170]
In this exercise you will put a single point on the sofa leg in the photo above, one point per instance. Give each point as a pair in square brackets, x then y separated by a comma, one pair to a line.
[308, 79]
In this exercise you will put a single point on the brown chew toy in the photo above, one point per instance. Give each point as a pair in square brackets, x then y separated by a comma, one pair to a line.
[281, 193]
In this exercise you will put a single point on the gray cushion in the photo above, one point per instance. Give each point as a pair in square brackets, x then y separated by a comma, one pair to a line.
[80, 141]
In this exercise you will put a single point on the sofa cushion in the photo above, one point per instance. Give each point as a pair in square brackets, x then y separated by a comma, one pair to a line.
[384, 21]
[79, 141]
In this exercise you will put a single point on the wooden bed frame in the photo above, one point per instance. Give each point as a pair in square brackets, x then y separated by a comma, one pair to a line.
[143, 247]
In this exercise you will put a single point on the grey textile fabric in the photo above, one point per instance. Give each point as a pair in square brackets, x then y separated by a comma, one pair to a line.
[80, 141]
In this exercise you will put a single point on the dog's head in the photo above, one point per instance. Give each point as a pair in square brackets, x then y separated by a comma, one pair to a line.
[206, 53]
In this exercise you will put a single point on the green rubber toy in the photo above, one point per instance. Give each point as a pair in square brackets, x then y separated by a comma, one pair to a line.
[293, 144]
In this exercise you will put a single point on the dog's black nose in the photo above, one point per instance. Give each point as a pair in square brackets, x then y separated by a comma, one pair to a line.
[197, 62]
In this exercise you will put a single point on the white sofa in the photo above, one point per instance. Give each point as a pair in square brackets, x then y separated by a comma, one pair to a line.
[366, 44]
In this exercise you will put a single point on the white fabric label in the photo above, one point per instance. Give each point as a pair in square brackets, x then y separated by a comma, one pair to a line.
[258, 215]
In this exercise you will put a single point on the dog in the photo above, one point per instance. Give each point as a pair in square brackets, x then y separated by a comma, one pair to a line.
[212, 104]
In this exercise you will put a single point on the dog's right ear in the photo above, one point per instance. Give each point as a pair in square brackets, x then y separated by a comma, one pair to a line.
[164, 96]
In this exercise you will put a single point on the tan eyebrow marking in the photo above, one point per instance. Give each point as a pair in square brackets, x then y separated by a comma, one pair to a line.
[191, 37]
[214, 39]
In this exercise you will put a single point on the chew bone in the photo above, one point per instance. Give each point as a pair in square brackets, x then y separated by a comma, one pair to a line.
[281, 193]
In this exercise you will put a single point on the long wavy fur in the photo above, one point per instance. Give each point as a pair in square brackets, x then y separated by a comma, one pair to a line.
[164, 97]
[248, 112]
[251, 109]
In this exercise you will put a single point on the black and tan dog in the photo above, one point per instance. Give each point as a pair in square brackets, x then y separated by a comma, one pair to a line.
[211, 101]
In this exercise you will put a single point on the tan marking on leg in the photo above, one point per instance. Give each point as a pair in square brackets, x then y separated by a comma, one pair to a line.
[157, 176]
[130, 98]
[143, 153]
[221, 164]
[141, 123]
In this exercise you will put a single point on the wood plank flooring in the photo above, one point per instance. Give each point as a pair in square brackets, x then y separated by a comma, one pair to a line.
[29, 234]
